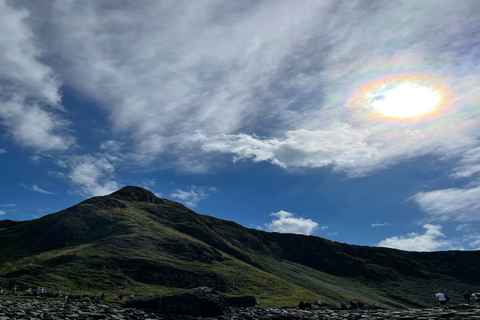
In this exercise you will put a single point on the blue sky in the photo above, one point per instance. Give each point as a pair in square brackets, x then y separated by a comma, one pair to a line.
[285, 116]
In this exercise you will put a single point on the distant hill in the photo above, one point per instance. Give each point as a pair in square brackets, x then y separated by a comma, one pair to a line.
[132, 241]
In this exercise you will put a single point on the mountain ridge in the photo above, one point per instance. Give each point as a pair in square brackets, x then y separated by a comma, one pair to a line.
[134, 239]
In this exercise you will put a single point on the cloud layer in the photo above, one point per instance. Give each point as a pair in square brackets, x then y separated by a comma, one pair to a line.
[183, 83]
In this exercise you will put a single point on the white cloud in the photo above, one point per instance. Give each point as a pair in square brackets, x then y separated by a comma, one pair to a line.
[194, 195]
[29, 96]
[36, 188]
[452, 204]
[2, 212]
[324, 228]
[3, 151]
[339, 146]
[380, 224]
[161, 71]
[8, 205]
[286, 222]
[92, 174]
[469, 164]
[432, 240]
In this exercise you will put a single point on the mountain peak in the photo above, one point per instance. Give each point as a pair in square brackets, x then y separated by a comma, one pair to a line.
[137, 194]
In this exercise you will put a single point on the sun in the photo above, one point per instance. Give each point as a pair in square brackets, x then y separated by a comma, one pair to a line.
[406, 97]
[406, 101]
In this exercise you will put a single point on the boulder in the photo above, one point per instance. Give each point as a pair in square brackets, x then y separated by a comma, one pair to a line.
[241, 302]
[196, 302]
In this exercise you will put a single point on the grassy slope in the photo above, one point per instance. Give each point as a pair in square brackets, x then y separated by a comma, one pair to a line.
[118, 246]
[91, 268]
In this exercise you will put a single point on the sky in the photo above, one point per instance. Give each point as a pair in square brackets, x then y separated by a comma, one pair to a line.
[355, 121]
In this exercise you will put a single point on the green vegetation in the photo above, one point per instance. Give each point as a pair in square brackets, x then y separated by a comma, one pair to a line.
[132, 242]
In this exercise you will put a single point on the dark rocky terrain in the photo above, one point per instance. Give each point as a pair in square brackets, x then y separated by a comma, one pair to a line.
[35, 309]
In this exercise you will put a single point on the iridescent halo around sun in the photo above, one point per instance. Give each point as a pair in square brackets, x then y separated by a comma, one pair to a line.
[402, 97]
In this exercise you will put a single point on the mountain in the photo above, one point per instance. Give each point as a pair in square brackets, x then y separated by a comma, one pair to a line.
[132, 241]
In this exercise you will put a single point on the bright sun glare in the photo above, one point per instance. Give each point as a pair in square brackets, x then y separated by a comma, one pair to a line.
[405, 101]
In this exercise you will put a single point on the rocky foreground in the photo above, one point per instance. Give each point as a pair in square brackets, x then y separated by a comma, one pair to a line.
[57, 309]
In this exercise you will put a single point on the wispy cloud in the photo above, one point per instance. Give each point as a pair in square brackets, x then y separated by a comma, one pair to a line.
[36, 188]
[380, 224]
[8, 205]
[3, 151]
[30, 106]
[2, 212]
[454, 204]
[286, 222]
[193, 195]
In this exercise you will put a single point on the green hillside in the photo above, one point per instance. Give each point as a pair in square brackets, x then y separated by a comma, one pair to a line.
[133, 242]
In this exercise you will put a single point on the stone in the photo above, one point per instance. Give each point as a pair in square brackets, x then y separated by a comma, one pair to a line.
[197, 302]
[241, 302]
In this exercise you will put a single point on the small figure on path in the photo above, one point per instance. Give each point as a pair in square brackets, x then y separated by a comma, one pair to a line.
[442, 300]
[119, 297]
[343, 305]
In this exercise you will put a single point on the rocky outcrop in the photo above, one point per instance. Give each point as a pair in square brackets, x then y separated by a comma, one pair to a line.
[197, 302]
[241, 302]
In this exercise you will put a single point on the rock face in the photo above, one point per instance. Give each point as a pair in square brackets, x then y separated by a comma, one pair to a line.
[197, 302]
[241, 302]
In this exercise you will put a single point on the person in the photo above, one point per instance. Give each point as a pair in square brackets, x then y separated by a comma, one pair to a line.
[466, 297]
[343, 305]
[475, 297]
[442, 300]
